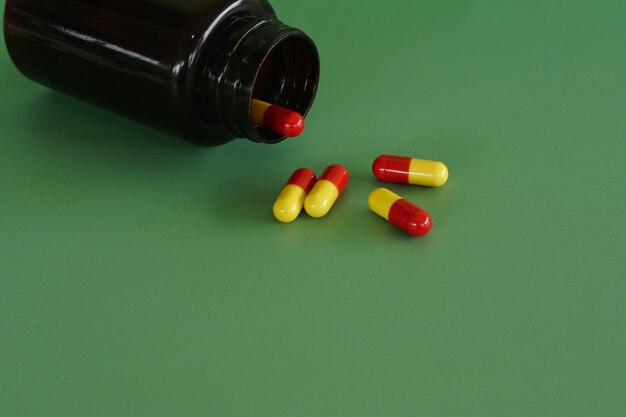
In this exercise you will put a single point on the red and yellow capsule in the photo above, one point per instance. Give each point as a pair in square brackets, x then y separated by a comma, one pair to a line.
[407, 170]
[290, 201]
[400, 212]
[277, 119]
[326, 191]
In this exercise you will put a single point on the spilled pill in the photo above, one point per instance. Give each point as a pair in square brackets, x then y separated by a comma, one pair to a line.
[400, 212]
[407, 170]
[326, 191]
[290, 201]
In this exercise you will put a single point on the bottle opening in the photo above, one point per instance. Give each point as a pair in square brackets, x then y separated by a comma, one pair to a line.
[287, 77]
[264, 60]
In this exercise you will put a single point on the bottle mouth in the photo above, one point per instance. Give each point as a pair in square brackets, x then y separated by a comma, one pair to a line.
[273, 63]
[288, 77]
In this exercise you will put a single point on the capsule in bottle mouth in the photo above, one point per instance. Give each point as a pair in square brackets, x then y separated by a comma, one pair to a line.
[277, 119]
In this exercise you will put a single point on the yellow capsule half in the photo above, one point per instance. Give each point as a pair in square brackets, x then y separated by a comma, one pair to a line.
[381, 200]
[289, 203]
[321, 199]
[427, 173]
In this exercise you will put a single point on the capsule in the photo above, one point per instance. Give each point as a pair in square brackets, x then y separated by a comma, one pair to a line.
[400, 212]
[278, 119]
[326, 191]
[290, 201]
[407, 170]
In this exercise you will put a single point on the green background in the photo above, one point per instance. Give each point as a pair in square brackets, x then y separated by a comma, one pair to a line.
[142, 276]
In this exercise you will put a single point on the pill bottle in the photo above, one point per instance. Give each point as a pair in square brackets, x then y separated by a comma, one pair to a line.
[186, 67]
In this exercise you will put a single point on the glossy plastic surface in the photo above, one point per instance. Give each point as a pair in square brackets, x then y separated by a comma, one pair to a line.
[326, 191]
[407, 170]
[400, 212]
[187, 67]
[277, 119]
[290, 201]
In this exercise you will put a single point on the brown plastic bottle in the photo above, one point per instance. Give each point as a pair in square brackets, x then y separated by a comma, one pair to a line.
[187, 67]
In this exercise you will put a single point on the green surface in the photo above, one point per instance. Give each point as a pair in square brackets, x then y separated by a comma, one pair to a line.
[141, 276]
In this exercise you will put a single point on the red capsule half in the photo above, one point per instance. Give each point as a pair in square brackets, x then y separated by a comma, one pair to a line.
[303, 178]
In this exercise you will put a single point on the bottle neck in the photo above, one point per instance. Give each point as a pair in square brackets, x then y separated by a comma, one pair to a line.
[258, 57]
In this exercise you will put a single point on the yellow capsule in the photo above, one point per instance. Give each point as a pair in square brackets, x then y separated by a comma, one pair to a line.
[326, 191]
[400, 212]
[407, 170]
[290, 201]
